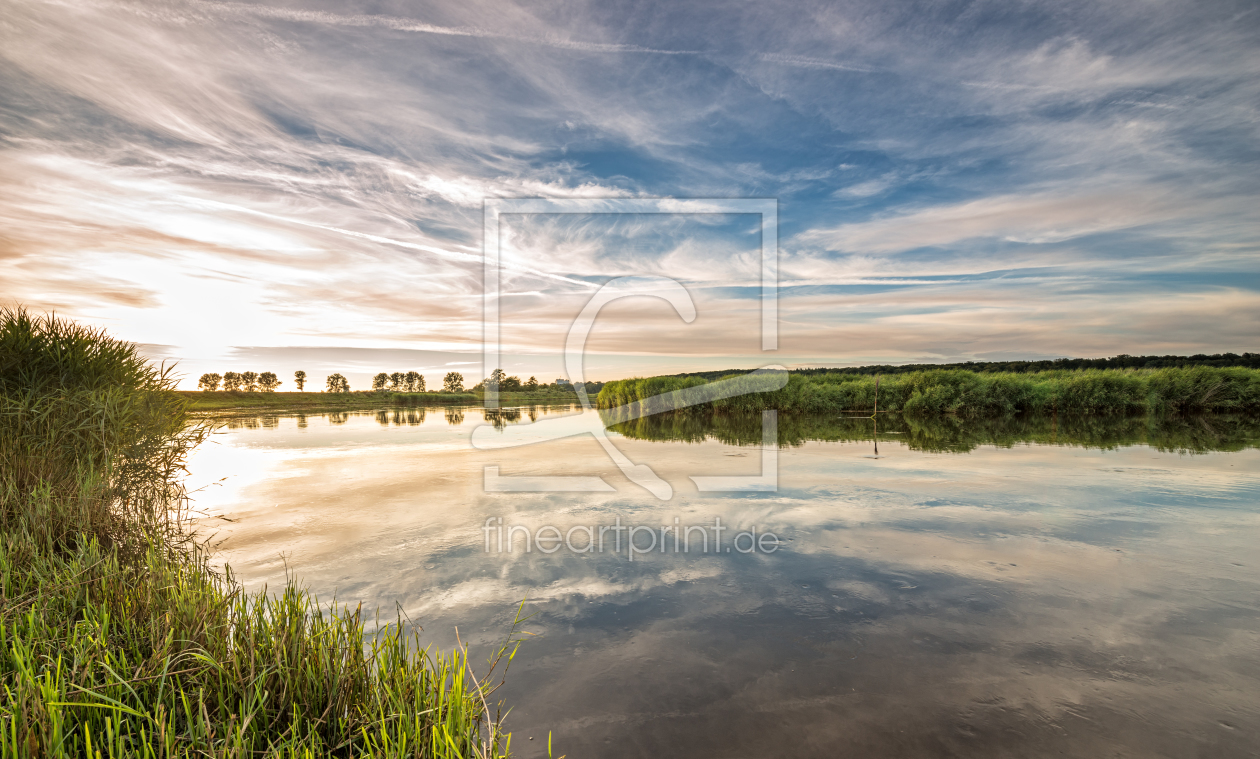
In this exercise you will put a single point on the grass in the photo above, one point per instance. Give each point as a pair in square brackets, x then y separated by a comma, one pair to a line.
[117, 639]
[971, 394]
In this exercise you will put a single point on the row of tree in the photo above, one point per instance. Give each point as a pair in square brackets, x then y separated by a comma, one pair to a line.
[251, 382]
[401, 382]
[500, 380]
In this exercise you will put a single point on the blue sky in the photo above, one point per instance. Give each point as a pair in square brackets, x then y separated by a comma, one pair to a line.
[280, 186]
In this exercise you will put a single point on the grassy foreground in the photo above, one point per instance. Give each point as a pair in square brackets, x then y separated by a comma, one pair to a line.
[973, 394]
[116, 639]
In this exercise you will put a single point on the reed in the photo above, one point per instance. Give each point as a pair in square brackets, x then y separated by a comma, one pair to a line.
[118, 639]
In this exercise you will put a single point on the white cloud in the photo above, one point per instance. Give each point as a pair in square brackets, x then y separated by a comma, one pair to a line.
[1032, 219]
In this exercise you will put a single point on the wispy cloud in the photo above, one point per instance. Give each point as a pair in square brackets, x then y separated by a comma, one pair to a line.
[1028, 219]
[811, 63]
[206, 175]
[411, 25]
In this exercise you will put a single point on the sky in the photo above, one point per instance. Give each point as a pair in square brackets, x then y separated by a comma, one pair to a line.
[300, 185]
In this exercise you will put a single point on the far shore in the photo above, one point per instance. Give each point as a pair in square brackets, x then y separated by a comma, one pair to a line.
[237, 402]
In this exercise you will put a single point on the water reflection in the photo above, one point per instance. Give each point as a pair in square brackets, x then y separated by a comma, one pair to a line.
[1068, 587]
[501, 418]
[411, 417]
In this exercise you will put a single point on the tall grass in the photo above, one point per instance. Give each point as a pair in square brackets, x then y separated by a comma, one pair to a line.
[971, 394]
[116, 638]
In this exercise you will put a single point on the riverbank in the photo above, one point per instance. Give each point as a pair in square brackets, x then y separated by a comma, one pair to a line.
[1177, 433]
[118, 639]
[226, 403]
[973, 394]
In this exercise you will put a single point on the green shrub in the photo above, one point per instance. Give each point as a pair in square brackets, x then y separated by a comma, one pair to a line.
[966, 393]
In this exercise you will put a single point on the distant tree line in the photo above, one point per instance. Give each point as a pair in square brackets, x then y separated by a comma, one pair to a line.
[336, 384]
[1123, 361]
[399, 382]
[265, 382]
[499, 380]
[250, 382]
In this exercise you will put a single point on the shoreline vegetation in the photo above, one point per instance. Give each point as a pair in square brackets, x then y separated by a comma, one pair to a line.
[220, 402]
[1176, 433]
[960, 392]
[117, 638]
[240, 400]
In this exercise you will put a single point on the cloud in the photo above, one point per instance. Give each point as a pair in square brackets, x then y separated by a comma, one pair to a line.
[811, 63]
[204, 175]
[1031, 219]
[411, 25]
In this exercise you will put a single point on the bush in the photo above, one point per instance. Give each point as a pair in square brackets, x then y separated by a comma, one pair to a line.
[965, 393]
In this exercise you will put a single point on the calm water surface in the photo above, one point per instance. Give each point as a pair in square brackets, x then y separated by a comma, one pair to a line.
[949, 597]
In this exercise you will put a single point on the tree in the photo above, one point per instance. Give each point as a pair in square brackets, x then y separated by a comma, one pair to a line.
[268, 382]
[209, 382]
[379, 382]
[250, 381]
[495, 379]
[510, 384]
[231, 381]
[415, 382]
[531, 384]
[299, 379]
[337, 384]
[396, 381]
[453, 382]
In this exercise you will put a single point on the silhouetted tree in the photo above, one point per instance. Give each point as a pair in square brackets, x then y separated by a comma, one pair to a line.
[379, 382]
[299, 379]
[510, 384]
[268, 382]
[249, 381]
[396, 381]
[209, 382]
[453, 382]
[531, 384]
[495, 379]
[337, 384]
[231, 381]
[415, 382]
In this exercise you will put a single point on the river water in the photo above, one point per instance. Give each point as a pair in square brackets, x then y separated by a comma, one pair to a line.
[1047, 587]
